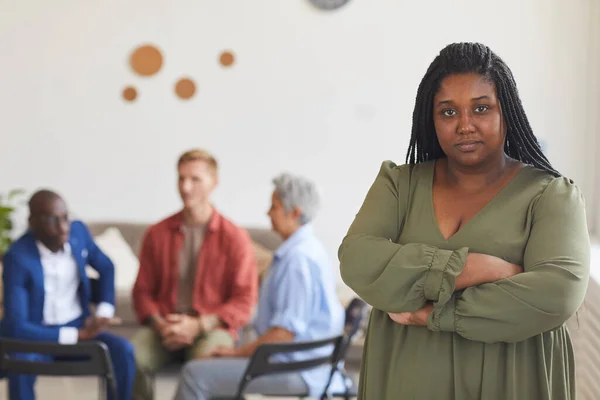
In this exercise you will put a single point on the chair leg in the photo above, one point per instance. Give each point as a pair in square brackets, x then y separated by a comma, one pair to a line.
[110, 386]
[153, 384]
[347, 384]
[102, 393]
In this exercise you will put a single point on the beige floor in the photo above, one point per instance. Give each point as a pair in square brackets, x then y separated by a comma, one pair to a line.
[87, 389]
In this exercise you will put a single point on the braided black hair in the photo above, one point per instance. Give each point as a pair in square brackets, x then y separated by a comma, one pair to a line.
[457, 58]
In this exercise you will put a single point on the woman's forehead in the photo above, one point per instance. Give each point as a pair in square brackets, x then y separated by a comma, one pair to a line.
[472, 84]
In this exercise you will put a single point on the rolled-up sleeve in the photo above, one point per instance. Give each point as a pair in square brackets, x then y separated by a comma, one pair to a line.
[293, 297]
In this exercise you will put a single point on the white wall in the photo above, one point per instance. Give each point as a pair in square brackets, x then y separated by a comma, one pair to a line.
[326, 95]
[594, 119]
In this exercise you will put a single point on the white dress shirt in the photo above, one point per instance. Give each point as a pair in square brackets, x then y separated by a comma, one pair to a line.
[61, 284]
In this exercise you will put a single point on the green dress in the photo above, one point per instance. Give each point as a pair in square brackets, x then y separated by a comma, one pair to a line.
[502, 340]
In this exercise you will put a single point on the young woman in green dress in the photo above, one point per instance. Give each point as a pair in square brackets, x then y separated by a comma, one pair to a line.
[474, 253]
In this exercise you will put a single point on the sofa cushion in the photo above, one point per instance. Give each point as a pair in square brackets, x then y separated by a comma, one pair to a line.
[132, 232]
[264, 257]
[114, 245]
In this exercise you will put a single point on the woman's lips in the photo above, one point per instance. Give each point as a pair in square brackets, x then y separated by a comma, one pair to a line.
[468, 146]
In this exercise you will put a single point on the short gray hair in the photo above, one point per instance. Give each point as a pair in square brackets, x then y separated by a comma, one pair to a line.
[295, 191]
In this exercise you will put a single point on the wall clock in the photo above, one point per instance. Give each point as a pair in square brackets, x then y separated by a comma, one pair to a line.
[328, 4]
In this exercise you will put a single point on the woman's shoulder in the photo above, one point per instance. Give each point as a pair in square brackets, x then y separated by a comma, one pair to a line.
[552, 190]
[404, 173]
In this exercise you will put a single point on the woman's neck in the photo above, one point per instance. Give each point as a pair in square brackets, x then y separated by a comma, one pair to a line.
[474, 178]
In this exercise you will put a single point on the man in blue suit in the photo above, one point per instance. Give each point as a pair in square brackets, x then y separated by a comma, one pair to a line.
[47, 292]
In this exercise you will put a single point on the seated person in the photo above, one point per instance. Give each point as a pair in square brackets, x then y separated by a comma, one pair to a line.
[47, 292]
[197, 283]
[297, 303]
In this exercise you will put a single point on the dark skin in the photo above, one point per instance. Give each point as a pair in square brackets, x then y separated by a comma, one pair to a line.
[471, 132]
[49, 222]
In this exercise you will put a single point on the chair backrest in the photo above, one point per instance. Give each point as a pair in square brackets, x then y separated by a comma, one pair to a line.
[356, 312]
[86, 358]
[262, 364]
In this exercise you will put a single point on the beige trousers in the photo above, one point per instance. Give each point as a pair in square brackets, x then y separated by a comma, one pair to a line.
[151, 356]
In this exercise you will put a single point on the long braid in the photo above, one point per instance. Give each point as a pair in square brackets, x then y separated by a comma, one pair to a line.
[521, 143]
[424, 147]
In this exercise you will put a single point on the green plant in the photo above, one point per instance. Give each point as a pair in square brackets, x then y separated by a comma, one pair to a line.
[7, 207]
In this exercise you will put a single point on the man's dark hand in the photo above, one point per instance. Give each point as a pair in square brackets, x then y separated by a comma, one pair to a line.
[92, 327]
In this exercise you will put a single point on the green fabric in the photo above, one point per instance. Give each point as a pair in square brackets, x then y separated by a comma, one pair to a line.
[502, 340]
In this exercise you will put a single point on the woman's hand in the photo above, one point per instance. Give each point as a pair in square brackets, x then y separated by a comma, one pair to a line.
[418, 318]
[483, 268]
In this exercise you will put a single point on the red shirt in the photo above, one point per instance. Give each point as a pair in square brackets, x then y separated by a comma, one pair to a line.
[226, 281]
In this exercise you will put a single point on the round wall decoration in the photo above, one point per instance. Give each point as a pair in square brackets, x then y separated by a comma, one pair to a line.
[328, 4]
[185, 88]
[146, 60]
[129, 93]
[227, 59]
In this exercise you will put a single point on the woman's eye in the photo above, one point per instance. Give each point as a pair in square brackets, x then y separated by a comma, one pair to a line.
[449, 113]
[481, 109]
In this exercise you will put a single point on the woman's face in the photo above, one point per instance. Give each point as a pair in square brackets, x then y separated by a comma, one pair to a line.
[468, 120]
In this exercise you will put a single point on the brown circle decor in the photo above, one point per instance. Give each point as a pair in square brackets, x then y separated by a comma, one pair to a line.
[129, 93]
[227, 59]
[146, 60]
[185, 88]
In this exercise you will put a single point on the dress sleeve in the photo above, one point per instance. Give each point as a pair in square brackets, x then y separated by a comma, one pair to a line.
[389, 276]
[548, 292]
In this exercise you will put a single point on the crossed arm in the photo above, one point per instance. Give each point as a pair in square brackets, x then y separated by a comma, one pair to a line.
[418, 283]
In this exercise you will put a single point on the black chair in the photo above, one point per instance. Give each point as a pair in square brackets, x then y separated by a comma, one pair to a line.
[356, 313]
[82, 359]
[260, 364]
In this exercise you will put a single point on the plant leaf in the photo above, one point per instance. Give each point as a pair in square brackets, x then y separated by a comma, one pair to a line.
[15, 193]
[5, 243]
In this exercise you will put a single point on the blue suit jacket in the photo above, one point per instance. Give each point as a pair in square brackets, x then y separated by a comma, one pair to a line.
[23, 279]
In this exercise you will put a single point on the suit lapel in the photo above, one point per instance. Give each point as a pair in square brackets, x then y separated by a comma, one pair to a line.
[77, 252]
[34, 252]
[80, 255]
[37, 271]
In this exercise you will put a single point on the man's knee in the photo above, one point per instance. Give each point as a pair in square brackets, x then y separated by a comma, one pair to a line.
[204, 346]
[144, 345]
[127, 351]
[194, 370]
[121, 350]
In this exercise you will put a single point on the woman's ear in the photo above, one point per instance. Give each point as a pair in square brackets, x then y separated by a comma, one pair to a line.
[297, 213]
